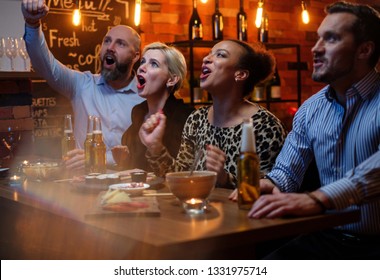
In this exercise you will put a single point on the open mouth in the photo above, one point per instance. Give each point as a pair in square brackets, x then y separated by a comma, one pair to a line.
[109, 59]
[141, 82]
[317, 62]
[205, 72]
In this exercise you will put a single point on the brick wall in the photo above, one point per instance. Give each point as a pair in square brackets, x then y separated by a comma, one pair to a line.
[167, 21]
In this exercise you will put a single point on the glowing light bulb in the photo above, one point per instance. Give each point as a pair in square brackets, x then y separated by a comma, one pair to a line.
[204, 1]
[76, 17]
[305, 13]
[137, 12]
[259, 14]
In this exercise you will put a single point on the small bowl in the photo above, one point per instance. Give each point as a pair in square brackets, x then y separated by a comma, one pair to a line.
[197, 186]
[131, 188]
[42, 171]
[139, 176]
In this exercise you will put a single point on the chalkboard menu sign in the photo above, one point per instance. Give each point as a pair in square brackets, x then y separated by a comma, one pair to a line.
[78, 46]
[48, 109]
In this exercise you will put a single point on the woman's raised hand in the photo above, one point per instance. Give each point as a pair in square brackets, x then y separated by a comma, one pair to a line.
[152, 132]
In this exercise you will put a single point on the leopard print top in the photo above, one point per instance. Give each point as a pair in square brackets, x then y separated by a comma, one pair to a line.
[198, 132]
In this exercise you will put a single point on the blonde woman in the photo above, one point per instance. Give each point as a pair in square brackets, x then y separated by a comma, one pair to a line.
[160, 75]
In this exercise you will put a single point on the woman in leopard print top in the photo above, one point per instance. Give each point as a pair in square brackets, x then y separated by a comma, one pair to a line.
[229, 73]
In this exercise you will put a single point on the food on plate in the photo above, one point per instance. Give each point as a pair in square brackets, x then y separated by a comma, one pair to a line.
[125, 206]
[130, 188]
[101, 179]
[113, 179]
[119, 201]
[115, 196]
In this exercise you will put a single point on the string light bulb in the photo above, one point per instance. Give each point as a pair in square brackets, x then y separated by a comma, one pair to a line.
[77, 14]
[305, 13]
[259, 13]
[137, 12]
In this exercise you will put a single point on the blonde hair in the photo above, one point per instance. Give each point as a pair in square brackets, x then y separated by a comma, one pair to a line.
[175, 60]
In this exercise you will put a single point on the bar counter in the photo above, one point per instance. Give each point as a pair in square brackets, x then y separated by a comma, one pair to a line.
[47, 220]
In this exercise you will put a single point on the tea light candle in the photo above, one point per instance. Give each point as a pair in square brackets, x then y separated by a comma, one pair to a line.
[194, 201]
[194, 206]
[15, 181]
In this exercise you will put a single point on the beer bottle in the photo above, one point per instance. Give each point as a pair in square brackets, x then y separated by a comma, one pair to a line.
[248, 168]
[98, 148]
[88, 161]
[68, 139]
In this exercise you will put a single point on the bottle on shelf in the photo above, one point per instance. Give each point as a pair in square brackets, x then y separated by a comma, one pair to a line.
[195, 24]
[258, 93]
[248, 168]
[98, 148]
[217, 23]
[241, 22]
[274, 87]
[88, 145]
[264, 29]
[68, 139]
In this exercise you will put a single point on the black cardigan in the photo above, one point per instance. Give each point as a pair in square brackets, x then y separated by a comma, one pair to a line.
[176, 113]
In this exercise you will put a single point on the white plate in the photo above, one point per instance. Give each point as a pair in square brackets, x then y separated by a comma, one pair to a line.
[132, 188]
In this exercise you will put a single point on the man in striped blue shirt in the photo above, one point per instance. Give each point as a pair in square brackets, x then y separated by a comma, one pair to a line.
[339, 127]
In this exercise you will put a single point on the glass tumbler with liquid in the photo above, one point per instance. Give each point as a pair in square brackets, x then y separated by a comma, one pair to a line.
[68, 139]
[248, 168]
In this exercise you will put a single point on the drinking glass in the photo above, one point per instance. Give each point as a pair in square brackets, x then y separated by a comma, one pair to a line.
[11, 50]
[2, 49]
[23, 52]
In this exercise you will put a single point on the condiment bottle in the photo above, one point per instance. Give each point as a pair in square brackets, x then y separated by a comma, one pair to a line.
[248, 168]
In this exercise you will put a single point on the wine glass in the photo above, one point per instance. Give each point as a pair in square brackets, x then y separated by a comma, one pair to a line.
[23, 52]
[2, 49]
[11, 50]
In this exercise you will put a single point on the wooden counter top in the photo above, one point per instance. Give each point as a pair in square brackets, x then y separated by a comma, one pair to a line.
[48, 221]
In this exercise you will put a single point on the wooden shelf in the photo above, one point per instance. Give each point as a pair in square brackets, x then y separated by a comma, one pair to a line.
[18, 75]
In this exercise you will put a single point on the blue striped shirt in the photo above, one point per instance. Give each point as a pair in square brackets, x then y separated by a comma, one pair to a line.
[346, 145]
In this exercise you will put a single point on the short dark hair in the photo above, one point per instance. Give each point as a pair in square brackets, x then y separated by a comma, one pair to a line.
[365, 28]
[259, 62]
